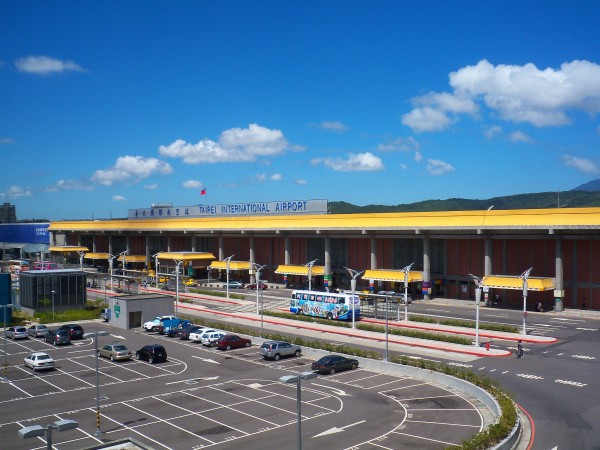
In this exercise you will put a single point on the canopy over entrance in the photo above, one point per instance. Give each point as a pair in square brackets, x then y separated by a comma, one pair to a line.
[299, 270]
[96, 255]
[132, 258]
[183, 256]
[515, 282]
[68, 248]
[392, 275]
[233, 265]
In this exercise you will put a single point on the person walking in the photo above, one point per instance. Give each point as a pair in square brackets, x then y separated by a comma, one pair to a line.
[520, 349]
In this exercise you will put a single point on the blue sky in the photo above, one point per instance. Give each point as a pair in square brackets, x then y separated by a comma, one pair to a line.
[109, 106]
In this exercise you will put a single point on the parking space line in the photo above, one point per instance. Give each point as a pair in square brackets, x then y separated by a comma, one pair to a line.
[99, 371]
[443, 423]
[452, 444]
[133, 429]
[73, 376]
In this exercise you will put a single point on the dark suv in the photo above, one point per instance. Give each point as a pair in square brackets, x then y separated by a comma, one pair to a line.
[152, 353]
[74, 330]
[56, 337]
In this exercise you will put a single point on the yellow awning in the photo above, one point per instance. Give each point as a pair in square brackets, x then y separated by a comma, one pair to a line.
[392, 275]
[132, 258]
[300, 270]
[97, 256]
[514, 282]
[185, 256]
[233, 265]
[68, 248]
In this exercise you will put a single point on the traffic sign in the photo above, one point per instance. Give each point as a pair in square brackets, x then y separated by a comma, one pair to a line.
[525, 314]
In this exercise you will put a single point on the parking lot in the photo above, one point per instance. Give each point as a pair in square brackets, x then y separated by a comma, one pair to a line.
[202, 397]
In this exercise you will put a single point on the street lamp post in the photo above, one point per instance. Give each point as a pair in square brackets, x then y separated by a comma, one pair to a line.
[310, 266]
[5, 307]
[406, 271]
[178, 265]
[155, 256]
[81, 256]
[354, 274]
[38, 430]
[258, 268]
[296, 379]
[524, 277]
[105, 280]
[386, 327]
[479, 283]
[95, 337]
[54, 292]
[227, 261]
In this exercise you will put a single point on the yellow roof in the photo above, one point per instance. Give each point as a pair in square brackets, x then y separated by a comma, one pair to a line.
[392, 275]
[233, 265]
[132, 258]
[68, 248]
[300, 270]
[514, 282]
[522, 218]
[97, 255]
[185, 256]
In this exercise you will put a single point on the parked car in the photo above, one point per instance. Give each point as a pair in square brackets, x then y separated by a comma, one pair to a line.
[234, 284]
[152, 353]
[75, 331]
[17, 332]
[171, 327]
[39, 361]
[197, 335]
[115, 352]
[105, 314]
[57, 337]
[255, 286]
[230, 341]
[210, 339]
[152, 324]
[189, 282]
[37, 330]
[276, 349]
[334, 363]
[184, 333]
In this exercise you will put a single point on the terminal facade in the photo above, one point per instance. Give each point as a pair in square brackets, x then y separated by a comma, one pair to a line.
[559, 244]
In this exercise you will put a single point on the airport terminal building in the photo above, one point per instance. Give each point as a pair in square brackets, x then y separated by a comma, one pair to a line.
[548, 255]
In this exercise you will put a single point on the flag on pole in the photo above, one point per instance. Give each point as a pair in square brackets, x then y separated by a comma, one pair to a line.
[203, 191]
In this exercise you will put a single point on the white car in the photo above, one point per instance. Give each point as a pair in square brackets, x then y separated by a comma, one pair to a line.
[152, 324]
[39, 361]
[210, 339]
[198, 335]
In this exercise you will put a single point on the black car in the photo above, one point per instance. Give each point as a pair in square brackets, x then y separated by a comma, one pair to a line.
[334, 363]
[152, 353]
[56, 337]
[74, 330]
[185, 332]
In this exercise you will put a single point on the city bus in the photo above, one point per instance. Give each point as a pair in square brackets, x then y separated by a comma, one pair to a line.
[329, 305]
[18, 265]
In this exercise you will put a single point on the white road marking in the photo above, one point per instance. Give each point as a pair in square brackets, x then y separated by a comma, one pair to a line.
[587, 329]
[206, 360]
[572, 383]
[191, 380]
[337, 429]
[459, 364]
[583, 357]
[118, 337]
[531, 377]
[333, 390]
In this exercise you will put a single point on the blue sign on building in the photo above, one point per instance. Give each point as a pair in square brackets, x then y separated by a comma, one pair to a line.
[25, 233]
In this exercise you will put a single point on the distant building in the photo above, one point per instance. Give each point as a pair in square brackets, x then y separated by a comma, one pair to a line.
[8, 213]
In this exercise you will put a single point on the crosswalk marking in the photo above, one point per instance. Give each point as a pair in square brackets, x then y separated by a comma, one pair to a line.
[571, 383]
[529, 376]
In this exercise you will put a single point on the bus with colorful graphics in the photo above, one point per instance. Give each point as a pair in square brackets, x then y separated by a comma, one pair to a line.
[329, 305]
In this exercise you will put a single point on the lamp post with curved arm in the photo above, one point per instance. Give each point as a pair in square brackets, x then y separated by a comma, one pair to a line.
[258, 268]
[524, 277]
[479, 283]
[354, 274]
[310, 266]
[406, 271]
[227, 261]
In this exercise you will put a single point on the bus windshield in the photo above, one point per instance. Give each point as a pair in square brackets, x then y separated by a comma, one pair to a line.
[329, 305]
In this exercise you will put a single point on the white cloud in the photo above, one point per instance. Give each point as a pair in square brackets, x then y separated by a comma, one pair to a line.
[6, 141]
[192, 184]
[119, 198]
[581, 164]
[437, 167]
[400, 144]
[528, 94]
[260, 177]
[151, 186]
[447, 102]
[276, 177]
[131, 169]
[418, 157]
[403, 166]
[43, 65]
[427, 119]
[16, 191]
[300, 181]
[361, 162]
[490, 132]
[519, 136]
[235, 145]
[70, 185]
[335, 125]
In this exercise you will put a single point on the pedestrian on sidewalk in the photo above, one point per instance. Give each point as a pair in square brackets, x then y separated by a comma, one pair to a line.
[487, 346]
[520, 349]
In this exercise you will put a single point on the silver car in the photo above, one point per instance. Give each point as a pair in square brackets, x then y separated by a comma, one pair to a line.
[17, 333]
[37, 330]
[276, 349]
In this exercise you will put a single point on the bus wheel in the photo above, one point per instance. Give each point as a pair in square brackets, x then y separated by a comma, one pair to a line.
[329, 316]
